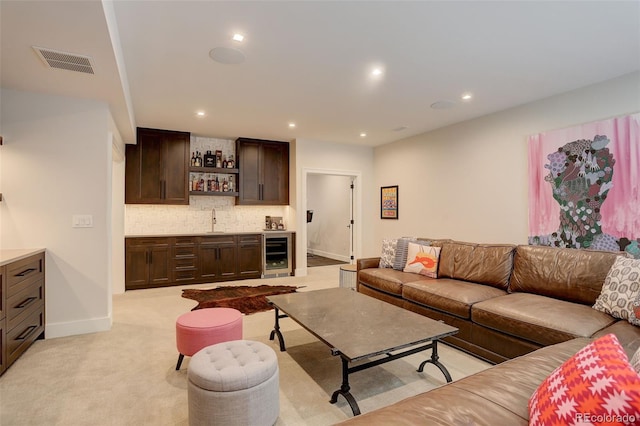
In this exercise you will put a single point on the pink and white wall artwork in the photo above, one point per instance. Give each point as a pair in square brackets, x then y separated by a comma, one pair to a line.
[584, 186]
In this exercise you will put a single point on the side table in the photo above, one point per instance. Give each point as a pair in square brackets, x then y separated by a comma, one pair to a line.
[348, 276]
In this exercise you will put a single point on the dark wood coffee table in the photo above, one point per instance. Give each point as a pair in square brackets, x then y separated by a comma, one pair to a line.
[360, 328]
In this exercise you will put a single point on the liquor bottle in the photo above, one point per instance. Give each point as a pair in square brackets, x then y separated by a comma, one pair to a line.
[193, 159]
[209, 159]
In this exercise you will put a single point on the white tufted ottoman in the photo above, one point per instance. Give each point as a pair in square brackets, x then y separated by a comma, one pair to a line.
[234, 383]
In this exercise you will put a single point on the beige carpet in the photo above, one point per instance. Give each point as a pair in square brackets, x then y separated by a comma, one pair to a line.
[127, 376]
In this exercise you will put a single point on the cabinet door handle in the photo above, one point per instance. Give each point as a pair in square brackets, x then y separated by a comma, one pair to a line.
[25, 302]
[27, 332]
[26, 272]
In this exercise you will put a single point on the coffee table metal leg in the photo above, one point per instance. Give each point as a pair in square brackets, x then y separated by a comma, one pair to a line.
[276, 330]
[434, 361]
[345, 390]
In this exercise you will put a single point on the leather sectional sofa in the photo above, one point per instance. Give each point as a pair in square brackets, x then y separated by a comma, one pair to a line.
[506, 300]
[529, 306]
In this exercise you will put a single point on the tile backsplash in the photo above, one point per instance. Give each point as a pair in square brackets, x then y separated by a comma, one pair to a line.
[152, 219]
[202, 145]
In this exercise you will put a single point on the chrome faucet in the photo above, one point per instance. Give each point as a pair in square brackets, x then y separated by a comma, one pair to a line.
[213, 220]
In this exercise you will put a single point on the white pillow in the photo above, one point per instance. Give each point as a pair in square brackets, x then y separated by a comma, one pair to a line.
[423, 260]
[621, 290]
[635, 361]
[388, 252]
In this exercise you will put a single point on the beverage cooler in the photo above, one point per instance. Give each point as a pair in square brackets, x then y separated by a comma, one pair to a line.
[276, 257]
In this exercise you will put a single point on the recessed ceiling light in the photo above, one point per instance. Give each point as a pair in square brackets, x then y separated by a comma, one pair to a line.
[200, 113]
[363, 135]
[466, 96]
[376, 72]
[292, 125]
[238, 37]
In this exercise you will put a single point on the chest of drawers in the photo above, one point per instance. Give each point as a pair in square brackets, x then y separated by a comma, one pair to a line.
[22, 306]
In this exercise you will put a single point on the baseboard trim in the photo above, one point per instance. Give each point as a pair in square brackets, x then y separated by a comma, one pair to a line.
[334, 256]
[73, 328]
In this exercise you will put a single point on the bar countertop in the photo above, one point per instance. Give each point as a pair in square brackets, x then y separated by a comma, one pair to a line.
[12, 255]
[210, 234]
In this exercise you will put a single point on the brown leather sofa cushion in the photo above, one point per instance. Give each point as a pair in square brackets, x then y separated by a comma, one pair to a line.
[387, 280]
[487, 264]
[496, 396]
[567, 274]
[539, 319]
[452, 296]
[628, 335]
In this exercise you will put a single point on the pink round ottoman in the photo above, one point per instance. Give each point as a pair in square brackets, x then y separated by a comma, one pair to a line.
[204, 327]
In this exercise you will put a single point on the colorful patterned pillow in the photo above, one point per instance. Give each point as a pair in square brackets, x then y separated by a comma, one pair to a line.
[402, 248]
[597, 385]
[388, 253]
[422, 259]
[621, 290]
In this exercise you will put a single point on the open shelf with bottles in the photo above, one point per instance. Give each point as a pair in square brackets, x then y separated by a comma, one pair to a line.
[213, 170]
[212, 193]
[213, 181]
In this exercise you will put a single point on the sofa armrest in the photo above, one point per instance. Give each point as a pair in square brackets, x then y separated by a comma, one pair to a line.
[369, 262]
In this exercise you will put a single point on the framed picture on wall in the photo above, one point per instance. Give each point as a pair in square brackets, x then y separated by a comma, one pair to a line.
[389, 202]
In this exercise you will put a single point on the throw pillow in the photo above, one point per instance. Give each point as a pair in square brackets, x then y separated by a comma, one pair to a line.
[388, 253]
[596, 385]
[620, 290]
[402, 247]
[422, 259]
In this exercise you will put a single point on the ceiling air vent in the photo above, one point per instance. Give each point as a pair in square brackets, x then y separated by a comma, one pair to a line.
[65, 60]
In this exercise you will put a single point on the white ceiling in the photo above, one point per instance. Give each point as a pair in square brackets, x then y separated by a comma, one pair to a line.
[308, 62]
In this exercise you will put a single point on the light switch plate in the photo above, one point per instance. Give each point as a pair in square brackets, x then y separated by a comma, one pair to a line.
[82, 221]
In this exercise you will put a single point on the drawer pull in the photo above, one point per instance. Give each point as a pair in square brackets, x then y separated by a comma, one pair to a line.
[26, 332]
[26, 272]
[26, 302]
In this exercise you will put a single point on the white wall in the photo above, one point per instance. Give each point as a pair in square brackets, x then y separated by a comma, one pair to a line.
[117, 214]
[469, 181]
[329, 197]
[57, 163]
[337, 159]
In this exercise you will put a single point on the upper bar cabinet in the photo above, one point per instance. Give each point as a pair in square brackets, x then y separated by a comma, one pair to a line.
[263, 172]
[156, 169]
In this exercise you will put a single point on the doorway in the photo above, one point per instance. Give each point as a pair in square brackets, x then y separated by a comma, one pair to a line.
[329, 205]
[346, 198]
